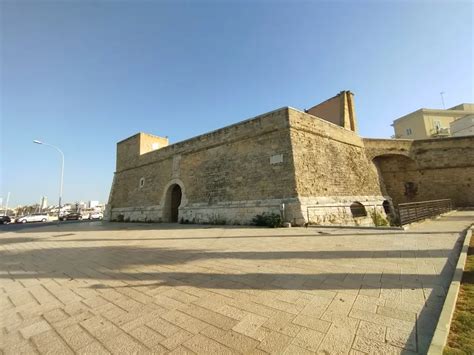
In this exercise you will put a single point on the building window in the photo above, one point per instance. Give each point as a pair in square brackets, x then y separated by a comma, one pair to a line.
[409, 132]
[142, 182]
[411, 189]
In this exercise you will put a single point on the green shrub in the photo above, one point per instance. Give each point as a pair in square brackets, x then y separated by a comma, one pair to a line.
[120, 218]
[271, 220]
[378, 219]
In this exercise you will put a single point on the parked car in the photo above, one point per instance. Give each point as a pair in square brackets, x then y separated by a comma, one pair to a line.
[71, 216]
[35, 217]
[96, 215]
[5, 219]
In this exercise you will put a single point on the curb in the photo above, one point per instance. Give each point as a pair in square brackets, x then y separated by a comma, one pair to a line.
[440, 337]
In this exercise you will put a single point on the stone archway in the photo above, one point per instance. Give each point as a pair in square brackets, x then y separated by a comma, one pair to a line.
[173, 200]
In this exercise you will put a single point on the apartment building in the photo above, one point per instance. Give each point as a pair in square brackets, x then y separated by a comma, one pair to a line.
[428, 123]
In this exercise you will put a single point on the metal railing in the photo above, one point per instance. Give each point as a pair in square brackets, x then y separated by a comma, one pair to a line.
[417, 211]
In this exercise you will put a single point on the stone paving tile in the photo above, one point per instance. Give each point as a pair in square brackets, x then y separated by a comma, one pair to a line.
[338, 340]
[95, 288]
[312, 323]
[147, 336]
[100, 328]
[275, 343]
[56, 315]
[8, 339]
[73, 320]
[49, 342]
[372, 331]
[93, 348]
[279, 321]
[231, 339]
[176, 339]
[210, 317]
[203, 345]
[124, 344]
[231, 312]
[308, 339]
[75, 336]
[163, 327]
[382, 320]
[34, 329]
[185, 321]
[250, 325]
[19, 348]
[402, 339]
[370, 346]
[396, 313]
[181, 350]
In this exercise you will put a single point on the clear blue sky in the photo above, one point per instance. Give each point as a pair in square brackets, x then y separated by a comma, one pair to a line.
[85, 74]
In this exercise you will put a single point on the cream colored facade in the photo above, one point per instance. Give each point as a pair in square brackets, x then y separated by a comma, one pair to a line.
[429, 123]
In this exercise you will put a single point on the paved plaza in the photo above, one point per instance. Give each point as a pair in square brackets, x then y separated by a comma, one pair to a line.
[98, 288]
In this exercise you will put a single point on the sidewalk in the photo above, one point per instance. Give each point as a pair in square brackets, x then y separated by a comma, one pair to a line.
[123, 288]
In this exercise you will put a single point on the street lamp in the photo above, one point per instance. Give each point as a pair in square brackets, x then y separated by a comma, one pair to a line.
[62, 171]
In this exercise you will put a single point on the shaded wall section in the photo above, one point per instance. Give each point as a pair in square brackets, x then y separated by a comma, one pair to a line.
[422, 170]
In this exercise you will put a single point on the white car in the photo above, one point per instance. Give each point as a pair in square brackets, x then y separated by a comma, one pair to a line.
[35, 217]
[96, 215]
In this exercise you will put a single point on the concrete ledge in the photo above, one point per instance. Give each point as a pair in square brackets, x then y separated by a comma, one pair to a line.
[395, 228]
[440, 336]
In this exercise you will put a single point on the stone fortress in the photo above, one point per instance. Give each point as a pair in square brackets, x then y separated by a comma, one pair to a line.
[308, 166]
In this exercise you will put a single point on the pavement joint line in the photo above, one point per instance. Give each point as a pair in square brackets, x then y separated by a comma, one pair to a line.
[443, 326]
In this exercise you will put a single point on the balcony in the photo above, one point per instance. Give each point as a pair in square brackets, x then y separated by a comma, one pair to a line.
[440, 132]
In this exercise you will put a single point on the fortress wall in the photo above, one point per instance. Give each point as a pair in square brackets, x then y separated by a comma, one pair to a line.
[331, 169]
[230, 174]
[439, 168]
[135, 154]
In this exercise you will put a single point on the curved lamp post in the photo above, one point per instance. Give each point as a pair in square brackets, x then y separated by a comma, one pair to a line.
[62, 171]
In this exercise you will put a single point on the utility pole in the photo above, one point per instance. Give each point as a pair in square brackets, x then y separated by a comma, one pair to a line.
[442, 99]
[62, 173]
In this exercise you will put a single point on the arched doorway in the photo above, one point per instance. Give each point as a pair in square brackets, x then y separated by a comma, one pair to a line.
[175, 202]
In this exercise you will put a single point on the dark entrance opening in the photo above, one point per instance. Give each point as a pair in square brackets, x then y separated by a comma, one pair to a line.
[175, 202]
[358, 210]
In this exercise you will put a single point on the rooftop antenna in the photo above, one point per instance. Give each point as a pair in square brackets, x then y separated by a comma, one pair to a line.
[442, 99]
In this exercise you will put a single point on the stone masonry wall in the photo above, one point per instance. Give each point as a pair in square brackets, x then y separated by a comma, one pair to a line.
[227, 175]
[331, 172]
[315, 168]
[439, 168]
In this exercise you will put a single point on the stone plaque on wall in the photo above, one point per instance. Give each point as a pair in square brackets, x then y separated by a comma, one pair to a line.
[276, 159]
